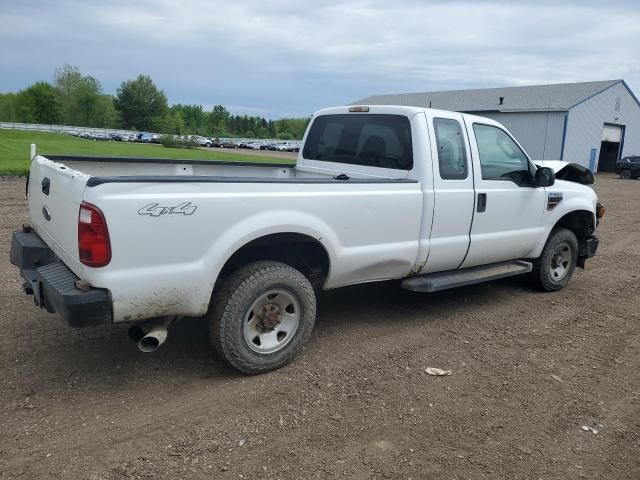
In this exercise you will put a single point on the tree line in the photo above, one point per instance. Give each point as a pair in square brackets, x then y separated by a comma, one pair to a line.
[79, 100]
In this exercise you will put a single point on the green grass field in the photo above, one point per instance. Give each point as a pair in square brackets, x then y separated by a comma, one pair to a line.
[14, 150]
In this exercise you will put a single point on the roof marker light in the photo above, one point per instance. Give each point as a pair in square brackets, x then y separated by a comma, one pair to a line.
[359, 108]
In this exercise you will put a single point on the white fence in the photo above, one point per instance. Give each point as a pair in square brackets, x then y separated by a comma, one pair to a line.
[61, 128]
[39, 127]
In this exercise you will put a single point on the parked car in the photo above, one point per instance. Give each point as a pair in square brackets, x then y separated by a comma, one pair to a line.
[245, 246]
[282, 147]
[226, 143]
[198, 140]
[142, 137]
[628, 167]
[120, 137]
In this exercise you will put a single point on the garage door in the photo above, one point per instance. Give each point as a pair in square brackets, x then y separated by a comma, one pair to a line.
[612, 133]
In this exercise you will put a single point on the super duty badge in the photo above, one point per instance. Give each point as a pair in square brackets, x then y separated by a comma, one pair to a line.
[155, 209]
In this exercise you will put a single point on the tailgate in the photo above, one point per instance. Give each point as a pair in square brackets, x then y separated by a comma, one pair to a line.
[55, 193]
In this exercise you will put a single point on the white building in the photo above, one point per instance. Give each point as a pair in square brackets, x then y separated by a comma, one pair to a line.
[590, 123]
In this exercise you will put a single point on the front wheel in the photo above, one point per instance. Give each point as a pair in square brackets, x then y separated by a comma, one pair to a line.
[553, 269]
[262, 316]
[625, 174]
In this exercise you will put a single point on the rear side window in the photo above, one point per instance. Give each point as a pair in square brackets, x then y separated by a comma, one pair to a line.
[452, 156]
[361, 139]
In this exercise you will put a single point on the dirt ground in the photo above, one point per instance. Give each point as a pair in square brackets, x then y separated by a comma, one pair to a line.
[529, 370]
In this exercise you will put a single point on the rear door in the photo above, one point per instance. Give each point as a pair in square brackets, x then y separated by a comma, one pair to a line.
[507, 222]
[55, 193]
[453, 191]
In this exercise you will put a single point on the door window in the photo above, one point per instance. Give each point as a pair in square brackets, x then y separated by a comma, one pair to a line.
[452, 156]
[500, 157]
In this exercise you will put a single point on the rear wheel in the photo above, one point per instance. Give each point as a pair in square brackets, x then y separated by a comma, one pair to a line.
[625, 174]
[262, 316]
[553, 269]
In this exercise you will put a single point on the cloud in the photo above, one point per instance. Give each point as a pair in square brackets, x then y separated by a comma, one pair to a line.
[290, 57]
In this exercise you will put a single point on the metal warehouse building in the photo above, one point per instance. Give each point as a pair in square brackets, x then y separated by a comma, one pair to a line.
[590, 123]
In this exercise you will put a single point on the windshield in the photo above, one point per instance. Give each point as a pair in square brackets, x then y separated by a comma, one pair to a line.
[361, 139]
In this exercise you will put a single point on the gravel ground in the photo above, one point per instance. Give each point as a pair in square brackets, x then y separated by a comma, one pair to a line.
[529, 370]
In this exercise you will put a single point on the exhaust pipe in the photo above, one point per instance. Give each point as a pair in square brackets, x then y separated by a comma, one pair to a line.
[150, 335]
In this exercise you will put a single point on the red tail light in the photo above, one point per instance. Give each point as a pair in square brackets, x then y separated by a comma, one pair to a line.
[93, 237]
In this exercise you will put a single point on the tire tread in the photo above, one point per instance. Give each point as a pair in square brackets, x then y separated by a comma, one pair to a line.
[229, 300]
[539, 275]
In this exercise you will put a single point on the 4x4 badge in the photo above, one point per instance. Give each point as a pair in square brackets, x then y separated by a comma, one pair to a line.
[155, 209]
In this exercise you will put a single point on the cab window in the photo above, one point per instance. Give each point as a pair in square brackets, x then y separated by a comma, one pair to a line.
[370, 140]
[452, 156]
[500, 157]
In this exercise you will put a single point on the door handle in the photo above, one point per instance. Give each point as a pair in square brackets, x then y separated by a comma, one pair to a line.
[482, 202]
[46, 184]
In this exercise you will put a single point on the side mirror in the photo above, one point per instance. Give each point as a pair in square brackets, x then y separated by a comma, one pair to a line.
[544, 177]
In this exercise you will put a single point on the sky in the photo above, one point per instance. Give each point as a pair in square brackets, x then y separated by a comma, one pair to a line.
[291, 57]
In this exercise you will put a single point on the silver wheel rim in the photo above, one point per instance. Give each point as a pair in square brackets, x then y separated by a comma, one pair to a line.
[271, 321]
[626, 174]
[561, 262]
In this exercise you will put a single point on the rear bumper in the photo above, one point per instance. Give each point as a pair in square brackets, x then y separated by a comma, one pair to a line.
[53, 284]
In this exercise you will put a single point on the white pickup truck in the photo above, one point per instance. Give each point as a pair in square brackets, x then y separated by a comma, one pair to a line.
[436, 198]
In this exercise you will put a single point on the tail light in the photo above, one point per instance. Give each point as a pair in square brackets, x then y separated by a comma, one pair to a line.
[93, 237]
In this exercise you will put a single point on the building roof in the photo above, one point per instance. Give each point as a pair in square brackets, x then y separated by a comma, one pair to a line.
[558, 97]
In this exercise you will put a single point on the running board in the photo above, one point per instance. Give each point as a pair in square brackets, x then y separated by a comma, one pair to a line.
[433, 282]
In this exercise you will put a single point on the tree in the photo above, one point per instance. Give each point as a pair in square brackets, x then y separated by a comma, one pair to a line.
[176, 123]
[141, 104]
[105, 113]
[79, 95]
[219, 120]
[38, 104]
[193, 116]
[8, 107]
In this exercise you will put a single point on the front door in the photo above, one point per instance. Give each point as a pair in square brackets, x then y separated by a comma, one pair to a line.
[507, 222]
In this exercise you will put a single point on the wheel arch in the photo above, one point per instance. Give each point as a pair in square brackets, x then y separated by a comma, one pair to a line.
[298, 250]
[580, 221]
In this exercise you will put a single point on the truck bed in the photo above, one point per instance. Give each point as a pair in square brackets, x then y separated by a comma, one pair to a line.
[173, 224]
[130, 169]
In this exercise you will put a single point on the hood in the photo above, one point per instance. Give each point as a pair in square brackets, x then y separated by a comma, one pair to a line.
[571, 172]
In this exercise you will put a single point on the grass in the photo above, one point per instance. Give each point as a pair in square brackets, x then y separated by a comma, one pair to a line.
[14, 150]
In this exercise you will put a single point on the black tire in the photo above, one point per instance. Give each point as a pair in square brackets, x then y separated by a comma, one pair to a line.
[232, 306]
[560, 244]
[625, 174]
